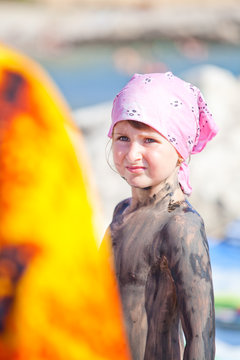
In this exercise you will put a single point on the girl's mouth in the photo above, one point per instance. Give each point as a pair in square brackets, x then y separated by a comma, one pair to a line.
[135, 169]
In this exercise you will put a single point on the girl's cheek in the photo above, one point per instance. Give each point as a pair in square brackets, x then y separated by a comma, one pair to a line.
[114, 150]
[118, 166]
[119, 150]
[116, 156]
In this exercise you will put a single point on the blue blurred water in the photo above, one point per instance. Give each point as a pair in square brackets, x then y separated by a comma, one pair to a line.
[87, 75]
[225, 261]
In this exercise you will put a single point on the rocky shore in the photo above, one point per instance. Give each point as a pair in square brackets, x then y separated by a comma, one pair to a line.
[40, 28]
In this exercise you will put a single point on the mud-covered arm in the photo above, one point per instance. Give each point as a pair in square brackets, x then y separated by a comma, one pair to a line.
[191, 271]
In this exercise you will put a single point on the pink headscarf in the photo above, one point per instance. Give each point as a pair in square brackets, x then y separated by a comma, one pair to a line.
[171, 106]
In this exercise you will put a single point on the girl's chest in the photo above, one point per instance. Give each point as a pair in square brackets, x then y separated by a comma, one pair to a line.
[137, 245]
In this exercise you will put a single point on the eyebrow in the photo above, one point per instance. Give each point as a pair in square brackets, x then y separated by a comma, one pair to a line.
[151, 134]
[142, 133]
[118, 134]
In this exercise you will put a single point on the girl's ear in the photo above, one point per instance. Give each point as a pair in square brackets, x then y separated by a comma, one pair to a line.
[179, 162]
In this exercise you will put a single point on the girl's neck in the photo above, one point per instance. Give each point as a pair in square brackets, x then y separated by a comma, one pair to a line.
[169, 188]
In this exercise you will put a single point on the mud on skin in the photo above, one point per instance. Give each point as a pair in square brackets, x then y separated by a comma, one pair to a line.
[165, 282]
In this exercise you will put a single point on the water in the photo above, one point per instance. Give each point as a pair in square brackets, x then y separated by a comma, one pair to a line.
[92, 74]
[89, 74]
[225, 258]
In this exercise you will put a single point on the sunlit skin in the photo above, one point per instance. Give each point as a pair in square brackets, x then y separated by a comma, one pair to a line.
[145, 159]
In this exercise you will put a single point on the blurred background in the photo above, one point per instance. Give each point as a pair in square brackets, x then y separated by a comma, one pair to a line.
[91, 48]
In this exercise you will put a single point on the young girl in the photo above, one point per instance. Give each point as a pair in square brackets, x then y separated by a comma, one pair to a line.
[158, 239]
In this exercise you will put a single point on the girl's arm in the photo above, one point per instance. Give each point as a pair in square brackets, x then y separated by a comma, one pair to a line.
[191, 271]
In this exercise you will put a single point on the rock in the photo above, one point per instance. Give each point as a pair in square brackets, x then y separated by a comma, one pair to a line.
[215, 173]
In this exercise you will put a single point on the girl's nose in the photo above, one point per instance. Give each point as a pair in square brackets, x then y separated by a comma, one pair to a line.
[134, 152]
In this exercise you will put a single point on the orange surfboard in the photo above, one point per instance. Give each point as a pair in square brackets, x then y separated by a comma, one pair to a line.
[58, 295]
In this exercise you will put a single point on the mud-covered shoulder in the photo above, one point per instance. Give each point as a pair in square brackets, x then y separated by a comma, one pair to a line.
[184, 233]
[185, 220]
[119, 209]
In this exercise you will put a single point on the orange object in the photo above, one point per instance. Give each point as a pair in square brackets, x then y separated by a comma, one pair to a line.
[58, 296]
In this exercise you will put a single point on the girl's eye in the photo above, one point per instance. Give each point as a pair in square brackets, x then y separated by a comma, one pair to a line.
[149, 140]
[123, 138]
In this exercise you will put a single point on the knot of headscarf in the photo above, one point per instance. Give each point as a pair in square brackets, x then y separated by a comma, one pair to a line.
[171, 106]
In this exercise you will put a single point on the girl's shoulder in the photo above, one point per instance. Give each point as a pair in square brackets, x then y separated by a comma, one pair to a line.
[119, 209]
[185, 212]
[185, 236]
[185, 220]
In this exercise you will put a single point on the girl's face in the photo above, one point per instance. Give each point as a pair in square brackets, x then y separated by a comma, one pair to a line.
[142, 156]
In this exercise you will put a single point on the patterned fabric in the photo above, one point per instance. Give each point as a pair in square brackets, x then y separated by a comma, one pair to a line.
[171, 106]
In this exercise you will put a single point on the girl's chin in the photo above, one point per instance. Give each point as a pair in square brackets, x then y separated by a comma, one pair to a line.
[140, 182]
[139, 185]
